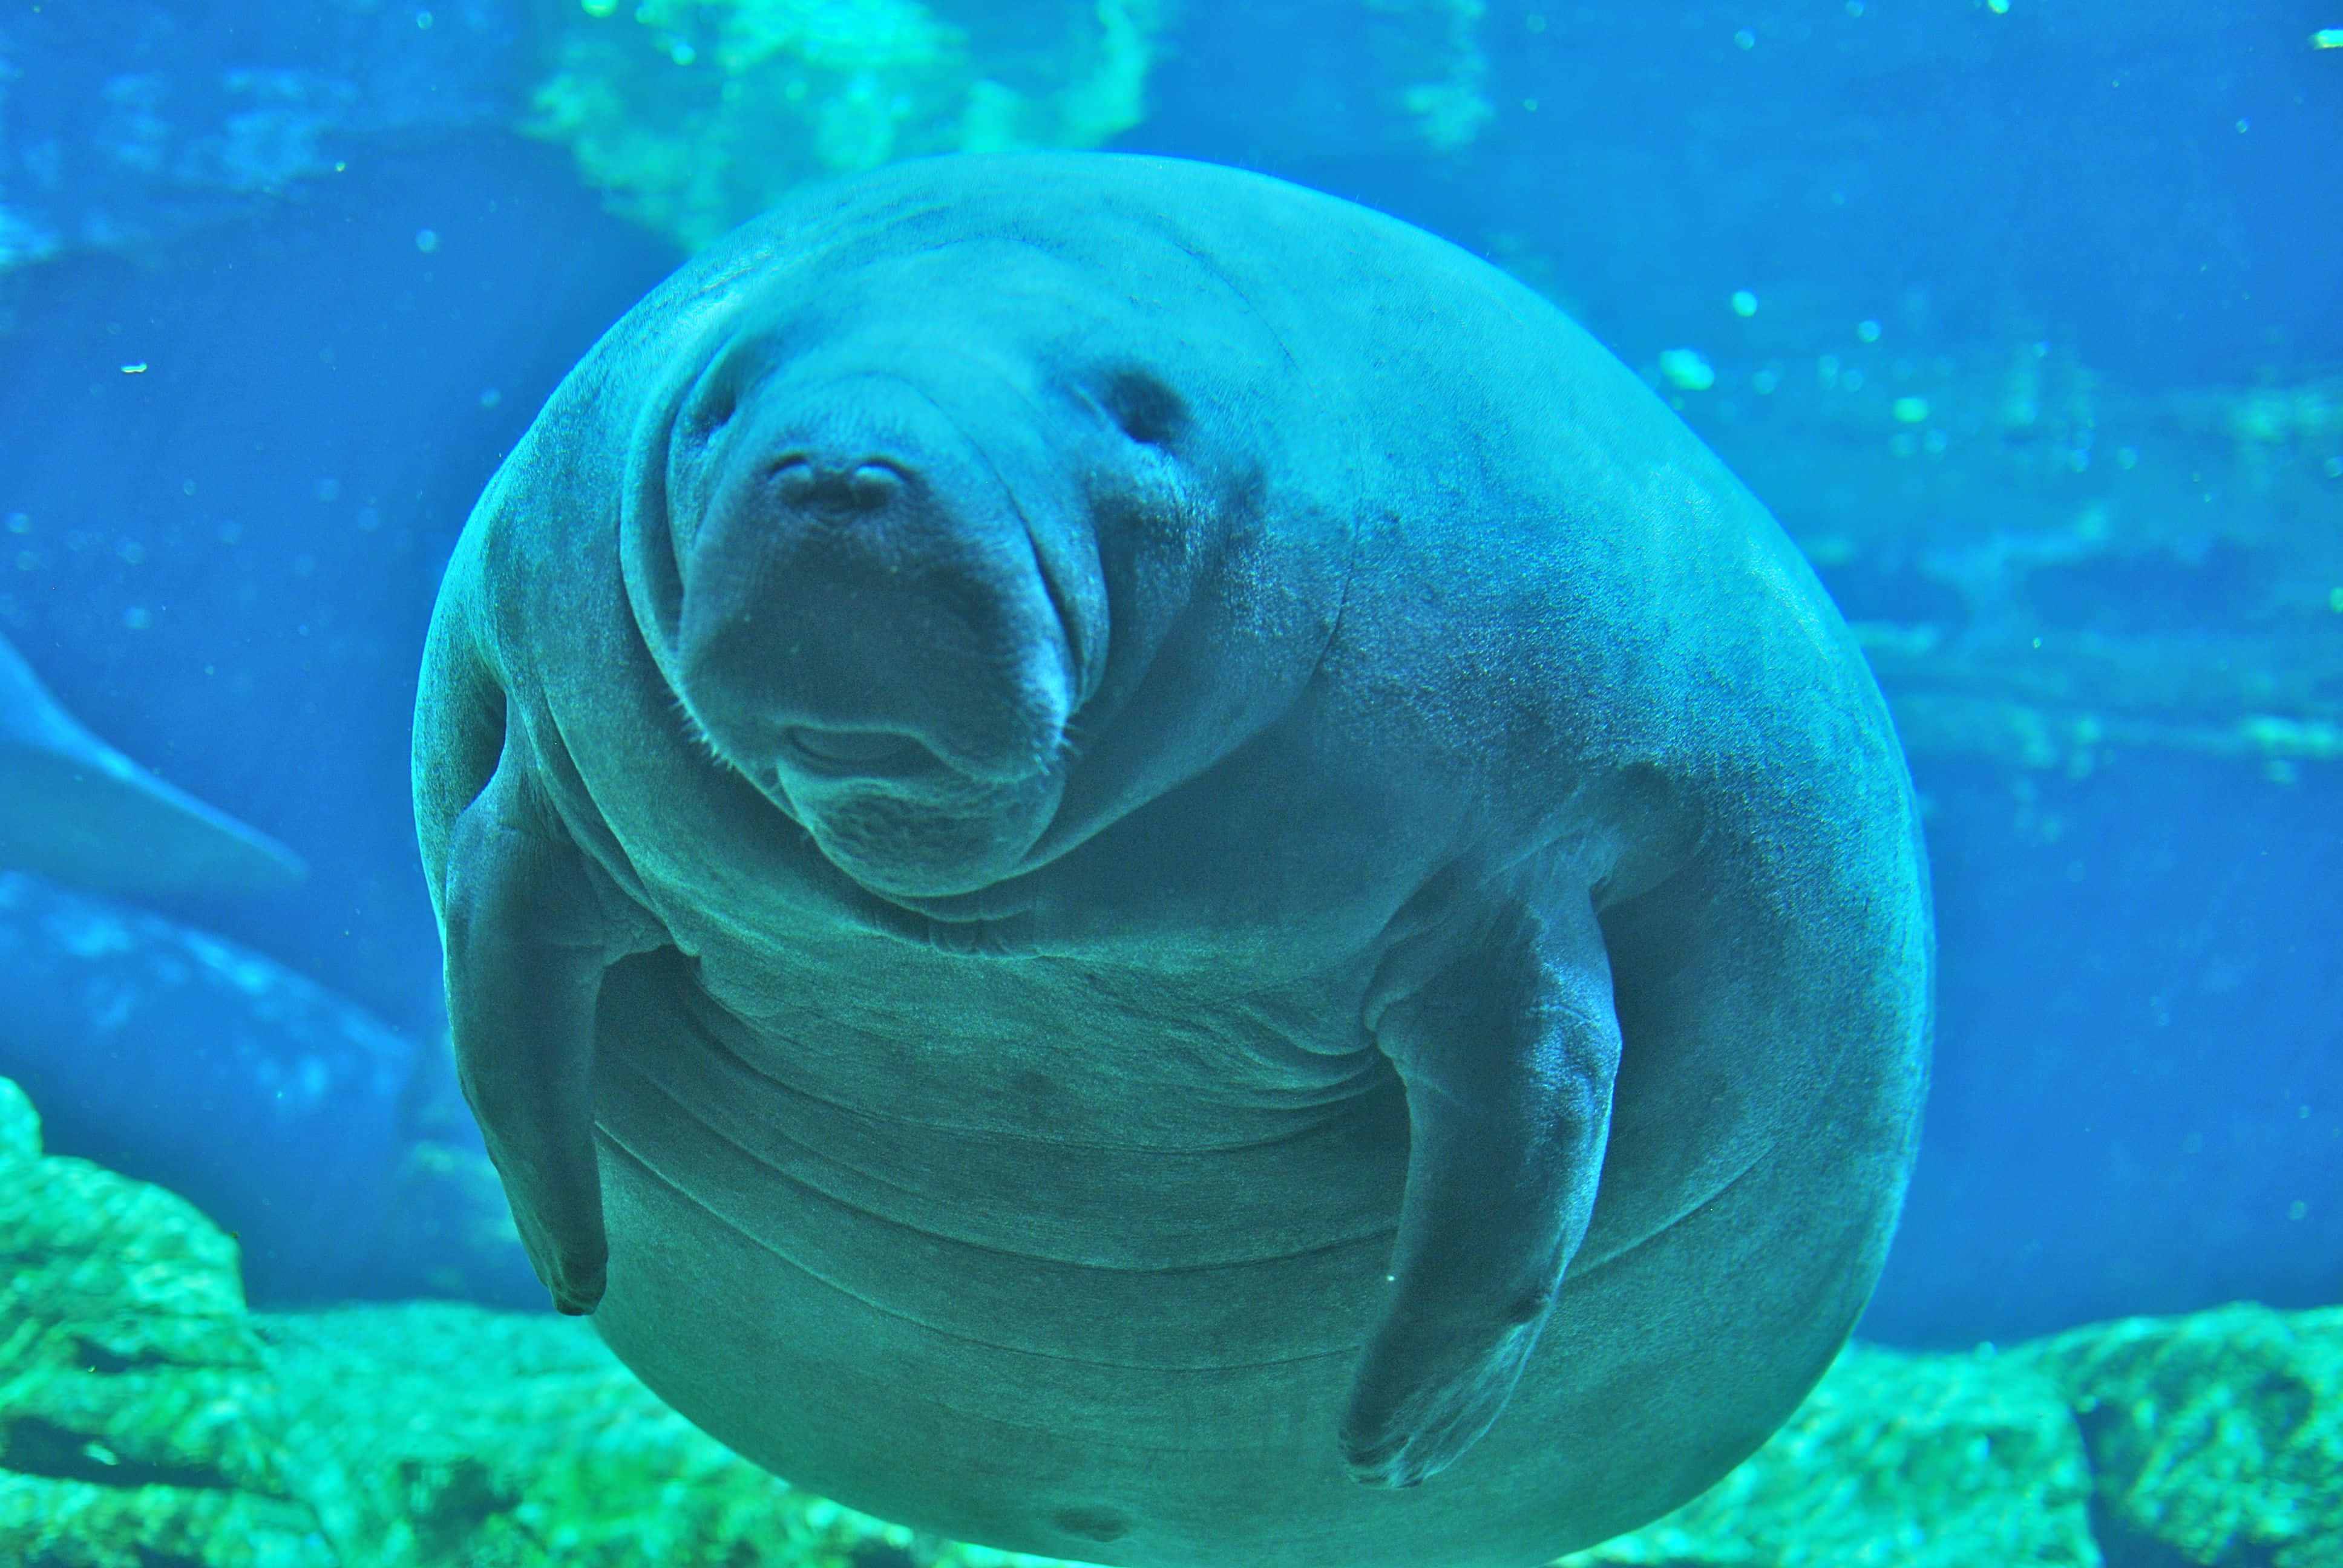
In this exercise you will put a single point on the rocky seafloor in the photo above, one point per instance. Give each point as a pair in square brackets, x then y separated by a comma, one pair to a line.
[147, 1420]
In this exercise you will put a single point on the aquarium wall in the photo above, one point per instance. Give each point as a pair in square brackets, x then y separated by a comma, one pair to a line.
[2024, 317]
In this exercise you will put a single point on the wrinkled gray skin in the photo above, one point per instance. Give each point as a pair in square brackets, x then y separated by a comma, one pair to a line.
[1137, 866]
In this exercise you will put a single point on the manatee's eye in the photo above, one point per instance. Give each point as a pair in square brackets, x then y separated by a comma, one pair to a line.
[715, 397]
[712, 406]
[1145, 409]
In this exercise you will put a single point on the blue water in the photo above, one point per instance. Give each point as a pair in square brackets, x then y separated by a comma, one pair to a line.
[224, 561]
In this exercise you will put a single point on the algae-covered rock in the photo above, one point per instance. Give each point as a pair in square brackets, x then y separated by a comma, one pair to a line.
[131, 125]
[2217, 1438]
[1898, 1461]
[139, 1423]
[1435, 47]
[441, 1435]
[2047, 570]
[20, 1126]
[488, 1439]
[694, 114]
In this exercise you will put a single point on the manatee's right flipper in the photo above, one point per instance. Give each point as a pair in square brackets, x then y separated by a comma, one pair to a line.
[529, 932]
[1501, 1024]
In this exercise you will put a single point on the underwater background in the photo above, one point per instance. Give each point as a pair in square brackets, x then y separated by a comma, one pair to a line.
[2025, 316]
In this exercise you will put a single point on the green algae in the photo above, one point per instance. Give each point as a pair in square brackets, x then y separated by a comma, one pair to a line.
[2029, 567]
[1915, 1462]
[497, 1440]
[694, 114]
[20, 1126]
[2217, 1438]
[138, 1419]
[1451, 106]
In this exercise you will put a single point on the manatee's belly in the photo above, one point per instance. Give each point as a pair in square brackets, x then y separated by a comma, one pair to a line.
[1118, 1351]
[1072, 1239]
[1042, 1047]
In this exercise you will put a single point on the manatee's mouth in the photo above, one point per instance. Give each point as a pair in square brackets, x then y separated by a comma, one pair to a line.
[857, 753]
[924, 832]
[861, 593]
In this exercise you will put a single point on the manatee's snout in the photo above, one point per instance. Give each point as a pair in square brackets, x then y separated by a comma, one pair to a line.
[865, 618]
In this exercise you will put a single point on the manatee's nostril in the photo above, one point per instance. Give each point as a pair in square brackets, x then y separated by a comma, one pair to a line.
[794, 479]
[835, 491]
[873, 485]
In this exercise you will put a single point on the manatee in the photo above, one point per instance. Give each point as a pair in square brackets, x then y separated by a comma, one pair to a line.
[76, 810]
[1139, 866]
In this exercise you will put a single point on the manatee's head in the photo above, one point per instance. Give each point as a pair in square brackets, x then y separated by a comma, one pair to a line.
[866, 532]
[931, 548]
[883, 613]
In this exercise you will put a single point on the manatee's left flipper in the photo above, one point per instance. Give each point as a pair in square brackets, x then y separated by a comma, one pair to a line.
[531, 924]
[1508, 1045]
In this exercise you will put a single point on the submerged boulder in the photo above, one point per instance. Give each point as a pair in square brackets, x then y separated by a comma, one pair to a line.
[131, 126]
[1908, 1461]
[439, 1433]
[138, 1419]
[2216, 1438]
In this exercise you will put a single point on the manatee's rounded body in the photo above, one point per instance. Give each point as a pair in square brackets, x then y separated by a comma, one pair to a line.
[1051, 1203]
